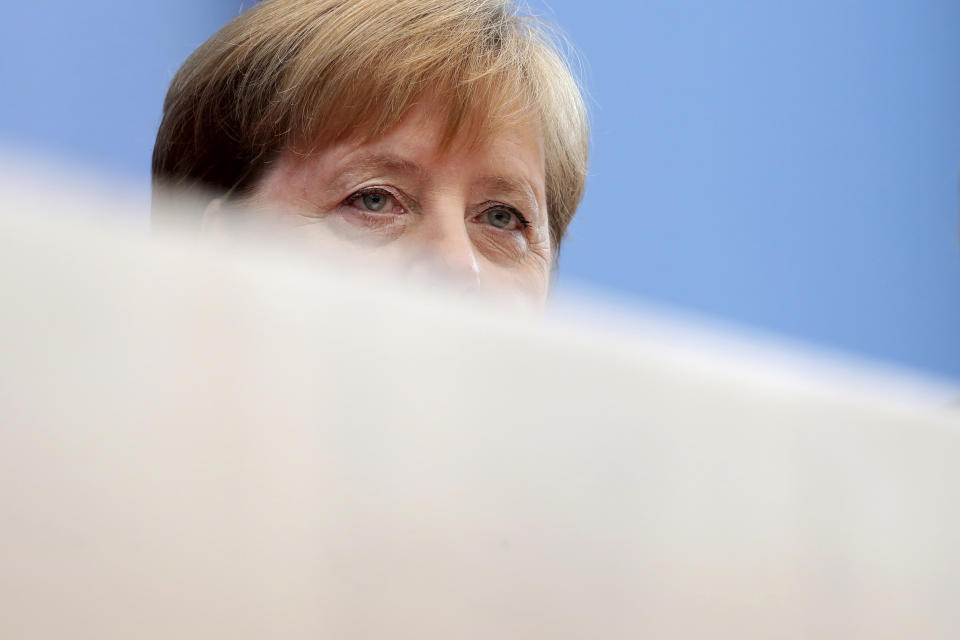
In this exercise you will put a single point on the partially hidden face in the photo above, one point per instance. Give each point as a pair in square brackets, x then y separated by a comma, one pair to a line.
[474, 215]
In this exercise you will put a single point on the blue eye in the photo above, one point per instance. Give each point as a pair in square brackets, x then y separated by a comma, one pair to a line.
[504, 217]
[374, 201]
[500, 218]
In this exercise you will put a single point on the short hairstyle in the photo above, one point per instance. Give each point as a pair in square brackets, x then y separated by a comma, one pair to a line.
[302, 74]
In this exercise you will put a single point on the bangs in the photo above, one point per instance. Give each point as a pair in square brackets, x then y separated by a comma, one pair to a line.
[472, 59]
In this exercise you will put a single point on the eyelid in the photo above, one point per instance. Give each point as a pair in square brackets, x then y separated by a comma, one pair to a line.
[389, 192]
[522, 219]
[399, 201]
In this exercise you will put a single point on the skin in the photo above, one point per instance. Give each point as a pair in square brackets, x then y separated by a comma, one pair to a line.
[472, 216]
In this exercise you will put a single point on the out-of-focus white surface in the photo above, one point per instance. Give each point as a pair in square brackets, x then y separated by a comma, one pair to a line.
[229, 444]
[765, 359]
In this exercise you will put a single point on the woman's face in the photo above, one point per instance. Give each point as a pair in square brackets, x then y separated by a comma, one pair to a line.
[475, 216]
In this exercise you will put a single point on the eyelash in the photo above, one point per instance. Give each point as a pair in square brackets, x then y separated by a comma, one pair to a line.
[354, 197]
[519, 216]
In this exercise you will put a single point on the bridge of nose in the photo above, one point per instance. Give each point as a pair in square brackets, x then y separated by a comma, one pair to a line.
[442, 244]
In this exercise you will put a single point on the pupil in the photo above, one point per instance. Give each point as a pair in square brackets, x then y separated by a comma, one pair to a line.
[499, 218]
[374, 201]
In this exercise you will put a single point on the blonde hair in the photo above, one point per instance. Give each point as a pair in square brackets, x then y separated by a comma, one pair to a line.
[298, 74]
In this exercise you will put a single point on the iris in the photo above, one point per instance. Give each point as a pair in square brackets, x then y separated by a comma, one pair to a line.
[500, 218]
[375, 201]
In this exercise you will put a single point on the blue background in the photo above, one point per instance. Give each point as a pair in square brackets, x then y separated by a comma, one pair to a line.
[788, 166]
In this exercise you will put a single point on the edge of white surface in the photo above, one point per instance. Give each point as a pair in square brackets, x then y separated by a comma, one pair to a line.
[757, 356]
[35, 187]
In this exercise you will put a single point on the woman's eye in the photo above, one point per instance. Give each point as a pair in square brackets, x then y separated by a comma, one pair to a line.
[506, 219]
[375, 201]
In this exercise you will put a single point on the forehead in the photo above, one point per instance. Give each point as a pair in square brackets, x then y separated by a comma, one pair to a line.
[496, 161]
[420, 140]
[503, 154]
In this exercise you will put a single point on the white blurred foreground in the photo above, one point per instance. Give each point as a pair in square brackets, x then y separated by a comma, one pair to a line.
[228, 444]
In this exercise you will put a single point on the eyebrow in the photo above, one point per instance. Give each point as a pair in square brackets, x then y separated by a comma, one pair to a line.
[514, 188]
[383, 162]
